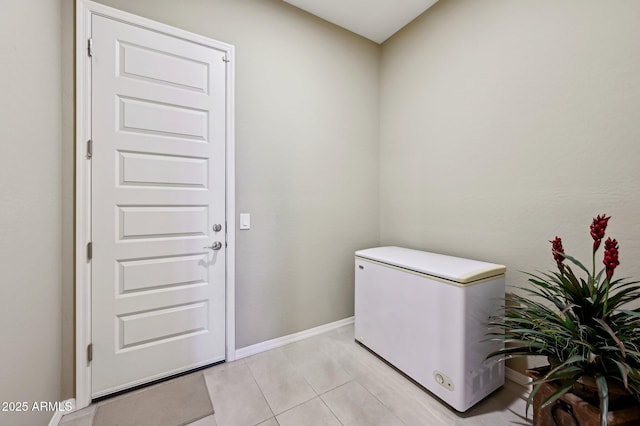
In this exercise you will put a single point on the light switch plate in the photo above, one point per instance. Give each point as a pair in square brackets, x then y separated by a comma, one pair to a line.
[245, 221]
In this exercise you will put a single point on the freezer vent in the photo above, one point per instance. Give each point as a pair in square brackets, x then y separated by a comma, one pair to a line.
[486, 376]
[475, 386]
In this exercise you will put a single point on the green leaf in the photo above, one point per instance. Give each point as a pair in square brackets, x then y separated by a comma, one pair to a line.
[603, 392]
[577, 263]
[612, 333]
[536, 387]
[622, 282]
[624, 372]
[557, 394]
[633, 313]
[623, 295]
[571, 360]
[567, 372]
[587, 345]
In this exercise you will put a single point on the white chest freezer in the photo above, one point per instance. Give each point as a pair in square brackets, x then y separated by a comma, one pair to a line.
[427, 314]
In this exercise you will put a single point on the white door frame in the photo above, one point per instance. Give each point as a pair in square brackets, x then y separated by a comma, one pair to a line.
[84, 10]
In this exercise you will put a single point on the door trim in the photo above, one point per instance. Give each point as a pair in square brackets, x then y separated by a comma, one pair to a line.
[84, 10]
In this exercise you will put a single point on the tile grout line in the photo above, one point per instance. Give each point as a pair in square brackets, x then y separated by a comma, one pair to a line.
[329, 408]
[381, 403]
[300, 374]
[261, 393]
[412, 396]
[298, 370]
[318, 394]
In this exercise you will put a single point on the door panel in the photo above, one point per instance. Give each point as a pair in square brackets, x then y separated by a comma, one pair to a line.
[158, 179]
[163, 68]
[161, 272]
[160, 119]
[145, 222]
[162, 170]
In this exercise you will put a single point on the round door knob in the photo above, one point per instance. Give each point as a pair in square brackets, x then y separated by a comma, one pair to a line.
[217, 245]
[217, 227]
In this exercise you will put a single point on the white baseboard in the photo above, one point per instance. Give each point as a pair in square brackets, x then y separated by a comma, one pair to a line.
[518, 378]
[57, 416]
[285, 340]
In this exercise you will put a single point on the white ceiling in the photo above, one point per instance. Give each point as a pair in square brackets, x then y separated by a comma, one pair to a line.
[376, 20]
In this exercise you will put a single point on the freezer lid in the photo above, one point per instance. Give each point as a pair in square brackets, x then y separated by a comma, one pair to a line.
[439, 265]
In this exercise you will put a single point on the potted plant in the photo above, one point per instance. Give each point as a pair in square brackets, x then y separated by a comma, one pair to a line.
[577, 319]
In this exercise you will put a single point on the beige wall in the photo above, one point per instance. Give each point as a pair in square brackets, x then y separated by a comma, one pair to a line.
[502, 124]
[68, 212]
[307, 159]
[505, 123]
[30, 202]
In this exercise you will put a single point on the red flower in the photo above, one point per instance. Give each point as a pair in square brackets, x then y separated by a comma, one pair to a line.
[610, 257]
[558, 252]
[598, 227]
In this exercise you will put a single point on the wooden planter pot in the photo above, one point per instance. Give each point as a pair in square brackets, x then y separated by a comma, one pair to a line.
[571, 410]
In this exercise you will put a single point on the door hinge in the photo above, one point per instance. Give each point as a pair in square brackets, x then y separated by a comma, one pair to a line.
[89, 251]
[90, 47]
[90, 352]
[89, 148]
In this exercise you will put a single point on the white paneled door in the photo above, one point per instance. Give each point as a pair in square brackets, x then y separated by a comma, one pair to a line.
[158, 205]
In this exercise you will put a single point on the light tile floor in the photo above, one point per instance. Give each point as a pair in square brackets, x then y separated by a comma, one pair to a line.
[331, 380]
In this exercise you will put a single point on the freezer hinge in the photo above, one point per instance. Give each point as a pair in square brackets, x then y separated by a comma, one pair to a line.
[90, 47]
[89, 251]
[90, 352]
[89, 148]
